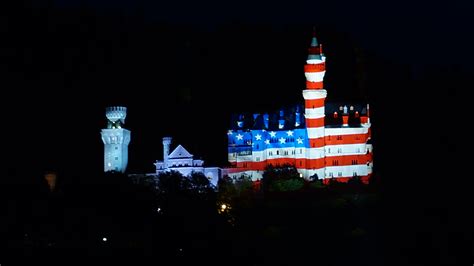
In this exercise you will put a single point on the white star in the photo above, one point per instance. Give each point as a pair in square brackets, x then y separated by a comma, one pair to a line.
[297, 124]
[229, 132]
[289, 132]
[240, 137]
[258, 137]
[267, 141]
[273, 134]
[263, 130]
[240, 123]
[282, 140]
[280, 126]
[299, 140]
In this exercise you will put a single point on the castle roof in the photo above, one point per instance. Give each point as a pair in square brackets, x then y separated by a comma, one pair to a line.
[293, 117]
[180, 153]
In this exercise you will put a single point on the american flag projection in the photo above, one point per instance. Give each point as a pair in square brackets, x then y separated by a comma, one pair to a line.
[322, 140]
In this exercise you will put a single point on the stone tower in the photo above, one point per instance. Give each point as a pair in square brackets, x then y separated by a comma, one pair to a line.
[116, 140]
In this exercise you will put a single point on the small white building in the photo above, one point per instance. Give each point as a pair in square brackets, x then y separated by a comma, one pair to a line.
[182, 161]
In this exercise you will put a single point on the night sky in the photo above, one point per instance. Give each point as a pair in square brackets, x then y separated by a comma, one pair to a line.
[183, 67]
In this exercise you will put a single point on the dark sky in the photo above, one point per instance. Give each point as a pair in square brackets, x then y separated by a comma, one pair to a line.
[182, 67]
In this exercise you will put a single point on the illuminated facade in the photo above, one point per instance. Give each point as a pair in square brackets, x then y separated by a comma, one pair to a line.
[182, 161]
[321, 140]
[116, 140]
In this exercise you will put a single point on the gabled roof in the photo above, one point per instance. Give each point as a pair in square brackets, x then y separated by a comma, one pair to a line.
[180, 153]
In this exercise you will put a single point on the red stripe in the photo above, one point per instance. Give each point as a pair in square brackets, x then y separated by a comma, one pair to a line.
[315, 122]
[345, 160]
[315, 103]
[315, 67]
[346, 139]
[314, 85]
[316, 143]
[364, 119]
[364, 179]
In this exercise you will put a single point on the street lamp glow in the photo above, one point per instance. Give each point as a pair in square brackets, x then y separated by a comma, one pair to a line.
[223, 207]
[104, 239]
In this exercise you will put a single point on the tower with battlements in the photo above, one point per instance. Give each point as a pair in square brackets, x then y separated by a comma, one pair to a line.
[116, 140]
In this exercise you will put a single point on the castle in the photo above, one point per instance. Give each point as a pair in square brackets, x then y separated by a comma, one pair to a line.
[116, 140]
[323, 141]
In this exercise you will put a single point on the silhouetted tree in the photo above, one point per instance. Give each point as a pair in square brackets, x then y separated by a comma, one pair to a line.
[282, 178]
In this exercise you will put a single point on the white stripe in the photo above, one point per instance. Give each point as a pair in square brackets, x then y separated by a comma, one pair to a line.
[347, 170]
[316, 61]
[271, 153]
[313, 116]
[315, 132]
[314, 94]
[345, 149]
[315, 76]
[319, 111]
[254, 175]
[346, 131]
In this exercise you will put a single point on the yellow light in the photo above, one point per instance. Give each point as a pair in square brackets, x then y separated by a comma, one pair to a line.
[223, 207]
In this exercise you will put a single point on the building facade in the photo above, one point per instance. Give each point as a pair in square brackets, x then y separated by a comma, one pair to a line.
[322, 140]
[182, 161]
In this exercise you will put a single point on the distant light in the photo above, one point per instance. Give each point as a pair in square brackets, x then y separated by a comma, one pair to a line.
[301, 175]
[104, 239]
[223, 207]
[158, 210]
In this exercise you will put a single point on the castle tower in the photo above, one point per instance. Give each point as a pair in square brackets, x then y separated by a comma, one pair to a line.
[314, 96]
[116, 140]
[166, 150]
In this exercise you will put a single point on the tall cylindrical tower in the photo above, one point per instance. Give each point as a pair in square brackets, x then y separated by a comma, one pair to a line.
[314, 96]
[166, 150]
[116, 140]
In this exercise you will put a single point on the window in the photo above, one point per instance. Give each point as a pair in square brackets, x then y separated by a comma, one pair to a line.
[301, 163]
[257, 146]
[116, 158]
[335, 162]
[330, 174]
[354, 174]
[339, 174]
[116, 147]
[339, 150]
[354, 162]
[278, 152]
[329, 150]
[301, 151]
[257, 159]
